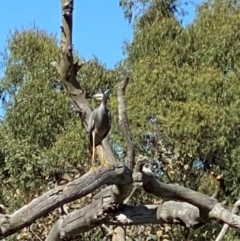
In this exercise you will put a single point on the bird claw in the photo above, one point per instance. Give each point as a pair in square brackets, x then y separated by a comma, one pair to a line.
[105, 163]
[92, 168]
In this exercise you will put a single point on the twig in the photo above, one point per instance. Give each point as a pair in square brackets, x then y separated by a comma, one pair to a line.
[226, 226]
[220, 180]
[31, 230]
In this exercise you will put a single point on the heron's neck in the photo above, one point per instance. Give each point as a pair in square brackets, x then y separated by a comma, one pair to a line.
[104, 102]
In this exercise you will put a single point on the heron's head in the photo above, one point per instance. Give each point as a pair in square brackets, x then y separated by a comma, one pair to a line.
[104, 94]
[98, 96]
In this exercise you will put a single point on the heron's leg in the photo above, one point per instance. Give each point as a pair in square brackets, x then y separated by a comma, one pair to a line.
[102, 155]
[103, 160]
[93, 150]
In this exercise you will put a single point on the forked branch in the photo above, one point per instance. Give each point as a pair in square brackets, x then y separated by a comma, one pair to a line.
[54, 198]
[109, 213]
[104, 209]
[68, 69]
[210, 208]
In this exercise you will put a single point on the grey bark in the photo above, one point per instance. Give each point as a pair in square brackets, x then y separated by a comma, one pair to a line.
[54, 198]
[226, 226]
[199, 209]
[106, 207]
[123, 122]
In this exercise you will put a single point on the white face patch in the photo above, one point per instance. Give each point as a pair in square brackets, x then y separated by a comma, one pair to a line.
[98, 97]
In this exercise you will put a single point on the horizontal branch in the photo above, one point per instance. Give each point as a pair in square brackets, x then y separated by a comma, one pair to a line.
[104, 212]
[198, 210]
[208, 206]
[38, 207]
[173, 191]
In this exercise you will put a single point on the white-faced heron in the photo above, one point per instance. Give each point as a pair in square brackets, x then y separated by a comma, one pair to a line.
[99, 125]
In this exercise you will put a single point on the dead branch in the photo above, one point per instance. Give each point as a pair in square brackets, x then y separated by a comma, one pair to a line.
[175, 191]
[226, 226]
[86, 218]
[68, 69]
[104, 209]
[119, 232]
[220, 181]
[123, 121]
[54, 198]
[209, 207]
[106, 212]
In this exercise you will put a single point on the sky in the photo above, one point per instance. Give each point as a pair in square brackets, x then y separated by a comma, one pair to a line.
[99, 27]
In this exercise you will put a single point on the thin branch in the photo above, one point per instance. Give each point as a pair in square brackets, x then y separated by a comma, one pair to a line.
[123, 121]
[137, 178]
[226, 226]
[220, 180]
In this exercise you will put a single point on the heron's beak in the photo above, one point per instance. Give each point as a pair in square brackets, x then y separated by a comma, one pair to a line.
[98, 96]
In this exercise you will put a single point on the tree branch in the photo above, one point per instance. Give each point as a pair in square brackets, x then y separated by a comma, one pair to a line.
[226, 226]
[208, 206]
[175, 191]
[54, 198]
[123, 121]
[122, 215]
[68, 70]
[198, 210]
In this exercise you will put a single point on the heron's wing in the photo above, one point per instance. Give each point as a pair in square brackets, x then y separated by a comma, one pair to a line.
[109, 123]
[90, 126]
[110, 120]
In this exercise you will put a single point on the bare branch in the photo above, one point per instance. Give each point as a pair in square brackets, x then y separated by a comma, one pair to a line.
[175, 191]
[207, 205]
[119, 233]
[123, 121]
[54, 198]
[198, 210]
[226, 226]
[137, 178]
[67, 71]
[101, 211]
[220, 181]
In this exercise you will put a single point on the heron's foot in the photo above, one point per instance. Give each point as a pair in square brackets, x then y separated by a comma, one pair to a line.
[105, 163]
[93, 168]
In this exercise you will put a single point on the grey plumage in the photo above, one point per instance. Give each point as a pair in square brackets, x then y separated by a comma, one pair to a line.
[99, 123]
